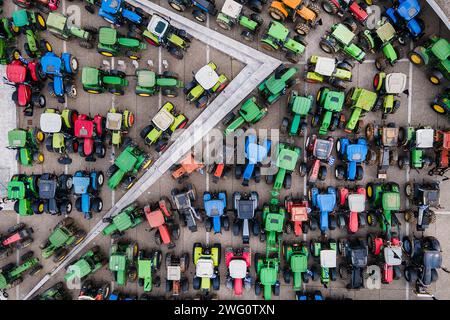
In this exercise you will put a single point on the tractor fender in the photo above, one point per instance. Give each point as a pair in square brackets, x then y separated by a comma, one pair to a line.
[66, 57]
[280, 6]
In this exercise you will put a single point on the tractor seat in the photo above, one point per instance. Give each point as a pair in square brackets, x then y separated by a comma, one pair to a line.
[299, 214]
[359, 257]
[204, 268]
[238, 269]
[246, 209]
[432, 259]
[113, 121]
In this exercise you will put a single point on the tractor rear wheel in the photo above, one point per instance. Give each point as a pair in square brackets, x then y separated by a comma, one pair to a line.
[255, 5]
[302, 29]
[329, 7]
[276, 14]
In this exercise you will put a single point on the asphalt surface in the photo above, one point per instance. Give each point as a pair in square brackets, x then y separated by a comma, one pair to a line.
[414, 110]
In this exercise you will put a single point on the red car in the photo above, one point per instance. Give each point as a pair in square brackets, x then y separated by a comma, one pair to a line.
[90, 134]
[159, 216]
[18, 237]
[42, 5]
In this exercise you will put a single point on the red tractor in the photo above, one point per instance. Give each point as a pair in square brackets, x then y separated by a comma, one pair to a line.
[159, 216]
[300, 213]
[17, 237]
[42, 5]
[389, 256]
[340, 7]
[442, 147]
[238, 262]
[27, 78]
[319, 155]
[90, 133]
[353, 206]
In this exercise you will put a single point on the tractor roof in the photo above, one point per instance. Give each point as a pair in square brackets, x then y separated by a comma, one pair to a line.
[325, 66]
[393, 255]
[328, 258]
[122, 221]
[441, 49]
[278, 31]
[113, 121]
[301, 105]
[334, 101]
[386, 32]
[238, 268]
[299, 262]
[269, 275]
[390, 136]
[343, 34]
[17, 138]
[322, 148]
[424, 138]
[81, 268]
[84, 128]
[206, 77]
[173, 273]
[204, 268]
[158, 25]
[47, 188]
[16, 190]
[359, 256]
[51, 63]
[90, 76]
[365, 99]
[50, 122]
[395, 83]
[214, 207]
[256, 153]
[408, 9]
[287, 159]
[56, 21]
[111, 6]
[107, 36]
[391, 201]
[356, 152]
[163, 119]
[146, 78]
[16, 72]
[356, 202]
[117, 262]
[246, 209]
[20, 18]
[299, 213]
[326, 202]
[274, 222]
[232, 8]
[59, 237]
[81, 184]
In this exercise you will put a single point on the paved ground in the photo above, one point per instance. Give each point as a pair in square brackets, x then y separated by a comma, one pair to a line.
[414, 110]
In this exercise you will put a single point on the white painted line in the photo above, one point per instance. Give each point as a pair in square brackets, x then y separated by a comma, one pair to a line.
[440, 13]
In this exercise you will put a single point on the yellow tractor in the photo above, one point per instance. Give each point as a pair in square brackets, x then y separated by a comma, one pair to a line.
[305, 14]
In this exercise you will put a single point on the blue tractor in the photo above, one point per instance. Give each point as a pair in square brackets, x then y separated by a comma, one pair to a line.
[61, 70]
[354, 154]
[403, 16]
[215, 205]
[119, 12]
[254, 153]
[201, 7]
[86, 186]
[324, 202]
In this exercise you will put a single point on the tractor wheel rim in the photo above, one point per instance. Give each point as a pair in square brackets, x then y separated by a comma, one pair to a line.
[434, 80]
[48, 46]
[100, 179]
[40, 136]
[74, 64]
[369, 219]
[369, 191]
[100, 206]
[41, 21]
[92, 91]
[415, 59]
[438, 108]
[16, 55]
[41, 208]
[175, 6]
[106, 54]
[40, 158]
[144, 95]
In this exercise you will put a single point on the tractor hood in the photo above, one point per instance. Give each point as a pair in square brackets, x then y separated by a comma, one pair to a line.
[326, 202]
[238, 268]
[395, 83]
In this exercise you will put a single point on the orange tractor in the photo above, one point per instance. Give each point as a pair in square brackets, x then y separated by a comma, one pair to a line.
[160, 218]
[186, 166]
[442, 148]
[305, 14]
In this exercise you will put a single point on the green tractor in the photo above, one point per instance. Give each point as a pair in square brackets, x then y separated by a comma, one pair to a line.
[323, 69]
[147, 265]
[58, 25]
[325, 251]
[206, 261]
[56, 292]
[65, 235]
[11, 274]
[26, 142]
[360, 101]
[384, 199]
[127, 165]
[287, 158]
[31, 23]
[111, 44]
[267, 269]
[273, 217]
[340, 38]
[149, 83]
[277, 37]
[122, 262]
[435, 55]
[25, 191]
[276, 85]
[8, 51]
[441, 104]
[117, 124]
[419, 148]
[249, 113]
[88, 264]
[299, 106]
[329, 108]
[296, 256]
[97, 81]
[129, 218]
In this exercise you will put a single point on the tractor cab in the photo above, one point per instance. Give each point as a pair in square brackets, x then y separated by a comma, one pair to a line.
[299, 213]
[84, 128]
[114, 121]
[357, 152]
[238, 268]
[206, 77]
[52, 64]
[163, 119]
[325, 66]
[158, 26]
[204, 268]
[385, 32]
[214, 207]
[356, 202]
[358, 257]
[146, 78]
[173, 272]
[322, 148]
[395, 83]
[408, 9]
[255, 152]
[328, 259]
[424, 138]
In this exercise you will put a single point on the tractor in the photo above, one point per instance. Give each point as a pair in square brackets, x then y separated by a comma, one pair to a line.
[296, 257]
[388, 256]
[354, 154]
[276, 85]
[267, 269]
[62, 71]
[54, 293]
[238, 262]
[24, 190]
[186, 166]
[424, 196]
[112, 44]
[255, 154]
[419, 148]
[246, 215]
[340, 7]
[335, 73]
[64, 237]
[31, 23]
[325, 203]
[323, 251]
[90, 135]
[389, 86]
[59, 129]
[215, 205]
[207, 262]
[200, 8]
[97, 81]
[128, 218]
[249, 113]
[277, 37]
[206, 83]
[119, 12]
[147, 265]
[404, 17]
[303, 13]
[163, 124]
[384, 199]
[8, 51]
[329, 107]
[19, 236]
[58, 24]
[183, 200]
[361, 101]
[441, 104]
[318, 157]
[26, 142]
[299, 106]
[117, 125]
[435, 55]
[55, 192]
[176, 280]
[86, 187]
[86, 265]
[26, 77]
[355, 252]
[352, 204]
[286, 160]
[273, 221]
[300, 219]
[232, 13]
[127, 165]
[42, 5]
[123, 259]
[159, 217]
[160, 32]
[94, 291]
[442, 147]
[149, 83]
[341, 39]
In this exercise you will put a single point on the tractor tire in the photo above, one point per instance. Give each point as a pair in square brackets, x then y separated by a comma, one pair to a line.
[292, 57]
[332, 222]
[248, 35]
[287, 276]
[216, 283]
[255, 5]
[287, 181]
[329, 7]
[256, 228]
[196, 283]
[199, 16]
[302, 29]
[78, 204]
[97, 205]
[169, 92]
[350, 23]
[371, 219]
[411, 274]
[323, 171]
[327, 46]
[436, 77]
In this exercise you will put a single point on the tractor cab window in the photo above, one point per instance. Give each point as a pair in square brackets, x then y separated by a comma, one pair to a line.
[114, 4]
[160, 26]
